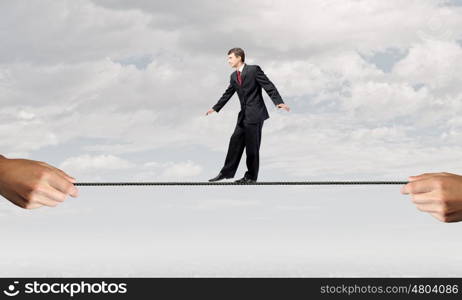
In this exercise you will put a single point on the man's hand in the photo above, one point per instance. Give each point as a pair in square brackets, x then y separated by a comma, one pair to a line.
[283, 106]
[31, 184]
[439, 194]
[209, 111]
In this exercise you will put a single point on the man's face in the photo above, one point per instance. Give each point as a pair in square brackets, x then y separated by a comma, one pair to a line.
[233, 60]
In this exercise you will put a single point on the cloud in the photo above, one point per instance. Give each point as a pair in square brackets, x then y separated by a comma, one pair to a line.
[69, 32]
[434, 64]
[99, 167]
[98, 162]
[155, 170]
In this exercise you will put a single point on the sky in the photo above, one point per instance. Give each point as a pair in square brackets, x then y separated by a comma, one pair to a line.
[118, 90]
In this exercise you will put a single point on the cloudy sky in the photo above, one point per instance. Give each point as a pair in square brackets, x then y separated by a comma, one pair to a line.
[117, 90]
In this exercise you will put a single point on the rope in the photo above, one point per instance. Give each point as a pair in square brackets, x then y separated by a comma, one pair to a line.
[238, 183]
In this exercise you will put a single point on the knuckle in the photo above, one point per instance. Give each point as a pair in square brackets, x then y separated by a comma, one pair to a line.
[23, 205]
[31, 195]
[447, 211]
[28, 205]
[439, 183]
[32, 187]
[444, 211]
[42, 173]
[444, 198]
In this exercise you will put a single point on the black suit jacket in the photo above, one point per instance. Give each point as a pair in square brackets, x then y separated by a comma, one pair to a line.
[253, 107]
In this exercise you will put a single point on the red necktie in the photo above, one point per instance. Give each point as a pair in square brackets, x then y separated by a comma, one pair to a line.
[239, 79]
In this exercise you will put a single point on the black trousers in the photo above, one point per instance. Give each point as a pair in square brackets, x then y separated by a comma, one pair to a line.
[246, 136]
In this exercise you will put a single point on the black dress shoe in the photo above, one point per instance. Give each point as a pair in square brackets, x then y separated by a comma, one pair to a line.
[220, 176]
[245, 180]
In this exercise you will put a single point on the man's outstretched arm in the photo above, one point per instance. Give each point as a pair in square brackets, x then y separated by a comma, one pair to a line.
[224, 98]
[31, 184]
[439, 194]
[270, 89]
[268, 86]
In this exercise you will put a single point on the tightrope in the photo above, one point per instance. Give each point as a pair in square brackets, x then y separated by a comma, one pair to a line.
[165, 183]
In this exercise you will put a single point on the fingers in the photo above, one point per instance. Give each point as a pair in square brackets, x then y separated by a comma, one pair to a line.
[59, 171]
[418, 186]
[423, 183]
[23, 203]
[64, 174]
[439, 194]
[431, 202]
[49, 193]
[59, 185]
[283, 106]
[45, 198]
[430, 208]
[31, 184]
[435, 193]
[425, 198]
[43, 195]
[37, 199]
[209, 111]
[62, 185]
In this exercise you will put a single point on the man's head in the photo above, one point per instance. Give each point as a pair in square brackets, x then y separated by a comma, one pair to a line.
[236, 56]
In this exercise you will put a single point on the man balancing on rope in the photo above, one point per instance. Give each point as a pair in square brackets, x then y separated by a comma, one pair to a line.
[247, 81]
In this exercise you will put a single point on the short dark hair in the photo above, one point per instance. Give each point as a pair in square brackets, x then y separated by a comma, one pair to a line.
[237, 52]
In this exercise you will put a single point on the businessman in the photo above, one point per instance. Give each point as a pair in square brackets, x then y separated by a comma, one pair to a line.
[247, 81]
